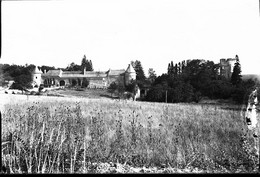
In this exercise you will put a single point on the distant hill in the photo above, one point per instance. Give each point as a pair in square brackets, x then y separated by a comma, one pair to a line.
[254, 77]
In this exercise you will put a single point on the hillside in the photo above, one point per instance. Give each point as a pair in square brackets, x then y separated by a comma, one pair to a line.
[251, 76]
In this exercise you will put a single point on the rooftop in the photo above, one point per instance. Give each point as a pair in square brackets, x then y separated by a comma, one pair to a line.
[95, 74]
[55, 72]
[116, 72]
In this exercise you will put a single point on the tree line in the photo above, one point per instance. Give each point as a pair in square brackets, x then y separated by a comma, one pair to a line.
[190, 81]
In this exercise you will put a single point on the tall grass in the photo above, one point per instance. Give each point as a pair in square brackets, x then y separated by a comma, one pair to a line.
[67, 136]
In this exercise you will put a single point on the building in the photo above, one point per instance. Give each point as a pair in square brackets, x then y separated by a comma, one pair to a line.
[97, 79]
[226, 67]
[36, 77]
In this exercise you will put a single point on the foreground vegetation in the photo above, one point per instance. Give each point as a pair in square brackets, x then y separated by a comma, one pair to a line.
[69, 136]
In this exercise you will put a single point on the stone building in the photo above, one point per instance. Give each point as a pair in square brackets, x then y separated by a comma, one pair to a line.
[97, 79]
[226, 67]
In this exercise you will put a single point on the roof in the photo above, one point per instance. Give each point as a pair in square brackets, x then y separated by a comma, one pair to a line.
[130, 69]
[95, 74]
[37, 71]
[55, 72]
[116, 72]
[71, 72]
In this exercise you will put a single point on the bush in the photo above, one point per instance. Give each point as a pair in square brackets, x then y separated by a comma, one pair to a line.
[112, 88]
[85, 83]
[33, 93]
[74, 82]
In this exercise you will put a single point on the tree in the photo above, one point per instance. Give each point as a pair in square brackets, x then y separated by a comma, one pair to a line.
[90, 66]
[112, 88]
[22, 76]
[171, 68]
[21, 82]
[140, 77]
[85, 83]
[120, 89]
[74, 82]
[179, 68]
[151, 75]
[155, 93]
[236, 76]
[131, 87]
[86, 64]
[73, 67]
[4, 76]
[46, 68]
[175, 70]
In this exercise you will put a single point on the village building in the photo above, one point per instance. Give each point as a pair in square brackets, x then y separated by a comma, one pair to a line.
[97, 79]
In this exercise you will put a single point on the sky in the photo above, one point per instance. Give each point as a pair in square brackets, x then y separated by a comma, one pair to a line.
[112, 33]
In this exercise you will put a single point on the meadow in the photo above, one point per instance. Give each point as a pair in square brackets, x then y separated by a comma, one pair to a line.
[68, 135]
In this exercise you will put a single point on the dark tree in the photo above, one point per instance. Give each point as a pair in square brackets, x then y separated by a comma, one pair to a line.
[120, 89]
[151, 75]
[175, 70]
[86, 64]
[85, 83]
[22, 75]
[4, 76]
[179, 68]
[22, 81]
[91, 66]
[171, 68]
[155, 93]
[236, 76]
[73, 67]
[183, 64]
[74, 82]
[46, 68]
[139, 70]
[112, 88]
[83, 63]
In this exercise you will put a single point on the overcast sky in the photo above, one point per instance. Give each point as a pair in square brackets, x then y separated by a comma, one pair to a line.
[113, 32]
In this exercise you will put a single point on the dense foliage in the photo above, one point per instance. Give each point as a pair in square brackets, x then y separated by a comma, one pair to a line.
[21, 75]
[140, 76]
[189, 81]
[85, 64]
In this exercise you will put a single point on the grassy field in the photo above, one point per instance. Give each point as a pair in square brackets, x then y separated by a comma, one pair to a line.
[65, 135]
[85, 93]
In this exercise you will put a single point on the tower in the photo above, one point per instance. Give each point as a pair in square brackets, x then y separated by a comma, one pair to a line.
[226, 67]
[37, 77]
[130, 74]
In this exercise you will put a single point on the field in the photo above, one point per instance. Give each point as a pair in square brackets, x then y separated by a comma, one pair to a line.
[43, 134]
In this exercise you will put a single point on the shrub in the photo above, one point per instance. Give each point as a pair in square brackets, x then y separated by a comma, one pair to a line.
[85, 83]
